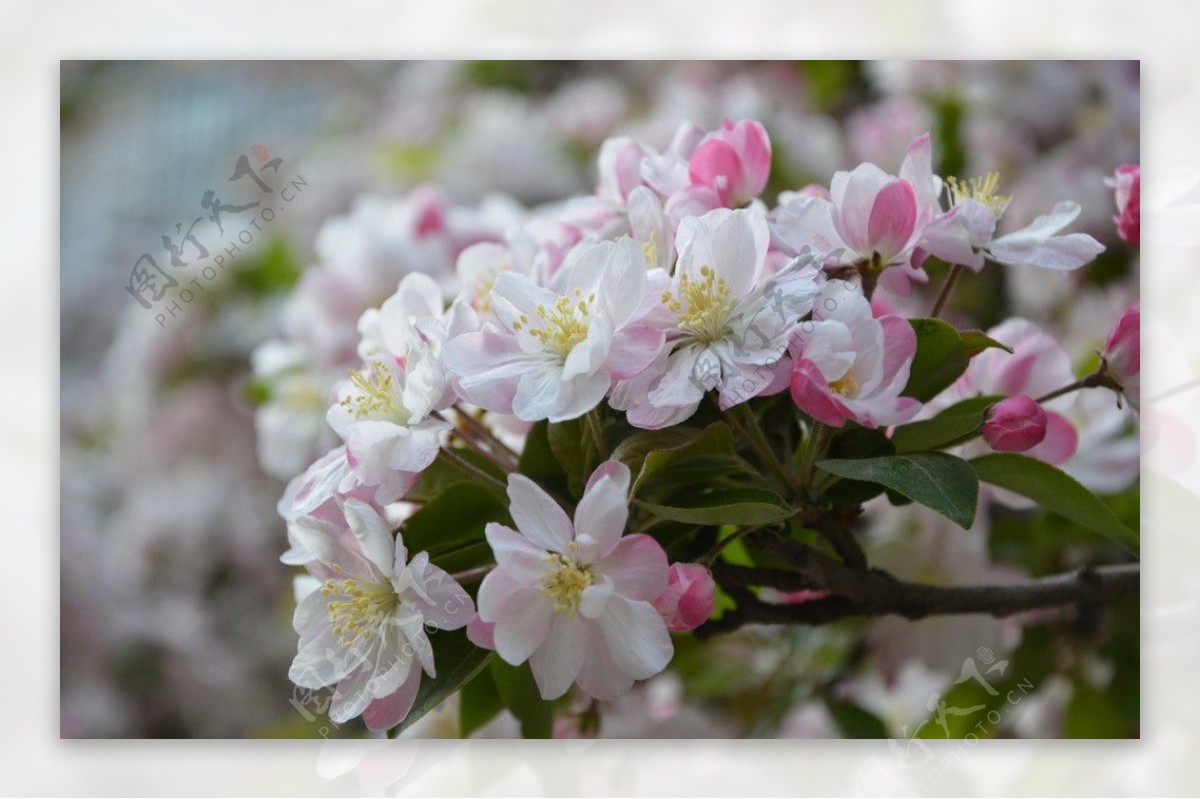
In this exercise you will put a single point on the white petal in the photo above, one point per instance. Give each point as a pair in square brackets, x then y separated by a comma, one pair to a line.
[636, 636]
[557, 662]
[537, 515]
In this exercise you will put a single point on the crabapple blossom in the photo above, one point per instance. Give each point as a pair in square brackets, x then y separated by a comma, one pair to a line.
[871, 220]
[726, 322]
[849, 366]
[689, 597]
[1127, 192]
[733, 163]
[1014, 424]
[575, 598]
[554, 355]
[1122, 353]
[362, 622]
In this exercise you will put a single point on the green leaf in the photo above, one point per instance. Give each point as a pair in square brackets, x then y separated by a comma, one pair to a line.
[856, 442]
[856, 722]
[453, 519]
[939, 481]
[954, 425]
[649, 452]
[977, 341]
[443, 473]
[741, 506]
[1054, 490]
[1092, 714]
[537, 459]
[940, 360]
[573, 448]
[457, 660]
[478, 703]
[520, 695]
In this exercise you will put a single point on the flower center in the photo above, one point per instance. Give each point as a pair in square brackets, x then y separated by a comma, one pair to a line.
[564, 325]
[364, 605]
[845, 386]
[371, 394]
[982, 190]
[565, 581]
[702, 306]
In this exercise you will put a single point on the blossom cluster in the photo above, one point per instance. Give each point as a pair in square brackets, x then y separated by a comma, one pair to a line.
[671, 293]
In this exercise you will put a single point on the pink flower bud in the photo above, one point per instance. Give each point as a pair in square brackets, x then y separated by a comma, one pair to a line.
[734, 162]
[1015, 424]
[1127, 186]
[688, 599]
[1122, 348]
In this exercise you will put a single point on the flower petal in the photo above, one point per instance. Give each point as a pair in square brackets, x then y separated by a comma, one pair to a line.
[557, 662]
[637, 565]
[636, 636]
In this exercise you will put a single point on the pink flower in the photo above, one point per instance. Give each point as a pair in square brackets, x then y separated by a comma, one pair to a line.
[575, 600]
[1122, 352]
[1127, 185]
[871, 217]
[733, 162]
[849, 366]
[689, 598]
[1015, 424]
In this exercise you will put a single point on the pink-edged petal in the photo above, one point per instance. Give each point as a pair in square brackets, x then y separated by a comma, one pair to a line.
[1060, 253]
[892, 219]
[854, 195]
[899, 348]
[600, 677]
[538, 516]
[615, 471]
[488, 366]
[557, 662]
[523, 560]
[716, 164]
[636, 636]
[811, 394]
[753, 145]
[601, 516]
[525, 625]
[957, 235]
[1060, 443]
[638, 567]
[481, 633]
[385, 713]
[595, 597]
[917, 169]
[633, 350]
[500, 592]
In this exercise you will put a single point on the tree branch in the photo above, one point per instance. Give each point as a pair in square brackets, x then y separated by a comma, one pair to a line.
[872, 592]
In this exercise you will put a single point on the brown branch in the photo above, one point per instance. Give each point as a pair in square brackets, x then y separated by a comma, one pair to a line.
[873, 592]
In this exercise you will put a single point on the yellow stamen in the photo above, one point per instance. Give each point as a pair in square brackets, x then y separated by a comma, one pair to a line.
[565, 325]
[371, 393]
[845, 386]
[981, 190]
[364, 606]
[703, 306]
[565, 582]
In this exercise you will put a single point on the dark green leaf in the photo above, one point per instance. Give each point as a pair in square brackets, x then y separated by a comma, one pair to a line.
[742, 506]
[1054, 490]
[443, 473]
[478, 703]
[1092, 714]
[954, 425]
[520, 695]
[976, 342]
[936, 480]
[649, 452]
[454, 518]
[940, 360]
[457, 660]
[856, 722]
[537, 459]
[857, 442]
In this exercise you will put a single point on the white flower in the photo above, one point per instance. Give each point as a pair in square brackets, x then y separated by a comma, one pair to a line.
[726, 325]
[362, 626]
[575, 600]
